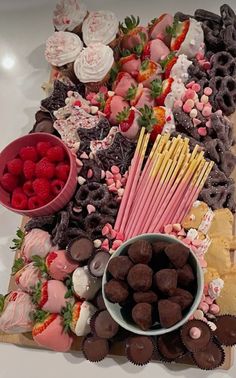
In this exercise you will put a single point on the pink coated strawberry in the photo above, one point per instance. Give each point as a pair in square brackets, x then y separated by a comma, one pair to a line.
[114, 105]
[155, 50]
[128, 124]
[165, 89]
[144, 98]
[158, 26]
[123, 82]
[50, 296]
[130, 64]
[148, 72]
[134, 36]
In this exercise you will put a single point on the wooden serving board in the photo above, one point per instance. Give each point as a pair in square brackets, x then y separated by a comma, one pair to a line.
[26, 340]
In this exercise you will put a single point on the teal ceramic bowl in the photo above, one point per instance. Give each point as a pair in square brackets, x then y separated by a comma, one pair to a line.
[123, 317]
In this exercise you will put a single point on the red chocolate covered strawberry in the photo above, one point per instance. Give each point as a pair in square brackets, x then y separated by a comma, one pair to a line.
[50, 296]
[114, 105]
[131, 64]
[128, 122]
[158, 26]
[148, 72]
[155, 50]
[123, 82]
[134, 36]
[48, 332]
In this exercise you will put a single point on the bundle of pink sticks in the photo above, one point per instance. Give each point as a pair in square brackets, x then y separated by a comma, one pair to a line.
[162, 190]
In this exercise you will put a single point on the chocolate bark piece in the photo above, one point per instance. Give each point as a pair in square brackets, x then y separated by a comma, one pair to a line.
[95, 348]
[145, 297]
[185, 275]
[178, 254]
[169, 313]
[80, 249]
[142, 315]
[170, 346]
[166, 281]
[183, 297]
[140, 277]
[119, 267]
[210, 358]
[102, 325]
[140, 252]
[139, 349]
[226, 329]
[196, 335]
[116, 291]
[99, 132]
[98, 262]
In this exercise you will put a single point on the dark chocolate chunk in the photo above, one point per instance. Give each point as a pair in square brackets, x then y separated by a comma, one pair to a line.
[142, 315]
[185, 275]
[178, 254]
[169, 313]
[119, 267]
[116, 291]
[140, 277]
[166, 281]
[183, 297]
[140, 252]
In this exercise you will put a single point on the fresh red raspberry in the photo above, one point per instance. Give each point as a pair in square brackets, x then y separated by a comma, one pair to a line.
[19, 201]
[62, 171]
[15, 166]
[9, 182]
[42, 148]
[17, 190]
[35, 202]
[56, 154]
[57, 186]
[28, 188]
[29, 169]
[41, 187]
[45, 169]
[29, 153]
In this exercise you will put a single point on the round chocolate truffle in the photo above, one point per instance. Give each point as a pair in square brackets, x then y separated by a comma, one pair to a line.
[103, 325]
[116, 291]
[94, 348]
[183, 297]
[140, 277]
[169, 313]
[209, 358]
[185, 275]
[196, 335]
[145, 297]
[99, 301]
[170, 346]
[166, 281]
[226, 330]
[178, 254]
[139, 349]
[98, 262]
[80, 249]
[119, 267]
[140, 252]
[159, 258]
[142, 315]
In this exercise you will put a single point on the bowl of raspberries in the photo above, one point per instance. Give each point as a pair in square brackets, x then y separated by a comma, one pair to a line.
[152, 284]
[38, 175]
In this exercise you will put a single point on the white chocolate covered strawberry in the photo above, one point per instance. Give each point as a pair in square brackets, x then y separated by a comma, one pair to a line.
[36, 242]
[85, 286]
[28, 277]
[77, 317]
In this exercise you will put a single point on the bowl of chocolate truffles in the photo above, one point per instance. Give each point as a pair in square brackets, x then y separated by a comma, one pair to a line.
[152, 284]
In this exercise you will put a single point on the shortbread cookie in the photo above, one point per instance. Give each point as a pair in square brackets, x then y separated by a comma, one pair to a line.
[222, 223]
[195, 216]
[218, 255]
[227, 299]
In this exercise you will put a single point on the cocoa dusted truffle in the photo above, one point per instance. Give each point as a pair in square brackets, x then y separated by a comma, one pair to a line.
[95, 348]
[145, 297]
[116, 291]
[103, 325]
[140, 277]
[139, 349]
[185, 275]
[166, 280]
[140, 252]
[80, 249]
[169, 313]
[196, 335]
[142, 315]
[178, 254]
[98, 262]
[183, 297]
[119, 267]
[170, 346]
[159, 258]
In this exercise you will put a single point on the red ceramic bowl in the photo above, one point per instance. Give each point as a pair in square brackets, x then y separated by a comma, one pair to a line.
[10, 152]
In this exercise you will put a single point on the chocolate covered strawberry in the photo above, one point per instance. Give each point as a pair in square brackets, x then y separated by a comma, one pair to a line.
[134, 36]
[28, 276]
[114, 105]
[154, 120]
[144, 98]
[128, 122]
[178, 32]
[148, 72]
[167, 65]
[158, 26]
[48, 332]
[161, 90]
[123, 82]
[59, 265]
[155, 50]
[77, 317]
[36, 242]
[131, 64]
[50, 296]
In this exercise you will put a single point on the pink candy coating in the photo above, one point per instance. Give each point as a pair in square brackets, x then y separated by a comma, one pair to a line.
[206, 112]
[195, 333]
[200, 106]
[214, 309]
[202, 131]
[115, 169]
[204, 307]
[196, 87]
[207, 91]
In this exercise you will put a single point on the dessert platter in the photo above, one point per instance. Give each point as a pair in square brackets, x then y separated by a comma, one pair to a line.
[126, 185]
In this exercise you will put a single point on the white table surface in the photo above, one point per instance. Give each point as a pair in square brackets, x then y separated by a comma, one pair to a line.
[24, 27]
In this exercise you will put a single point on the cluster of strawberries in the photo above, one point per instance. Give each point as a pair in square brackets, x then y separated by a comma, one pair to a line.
[36, 175]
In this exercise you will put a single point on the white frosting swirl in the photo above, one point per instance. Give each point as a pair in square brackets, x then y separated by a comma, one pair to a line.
[100, 26]
[94, 63]
[193, 40]
[62, 48]
[68, 14]
[180, 68]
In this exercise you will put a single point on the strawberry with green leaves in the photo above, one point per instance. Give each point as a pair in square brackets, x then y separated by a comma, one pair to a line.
[113, 106]
[50, 295]
[158, 26]
[134, 36]
[77, 317]
[59, 265]
[167, 64]
[153, 119]
[18, 241]
[48, 331]
[178, 32]
[161, 90]
[128, 122]
[28, 276]
[123, 82]
[131, 64]
[155, 50]
[148, 72]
